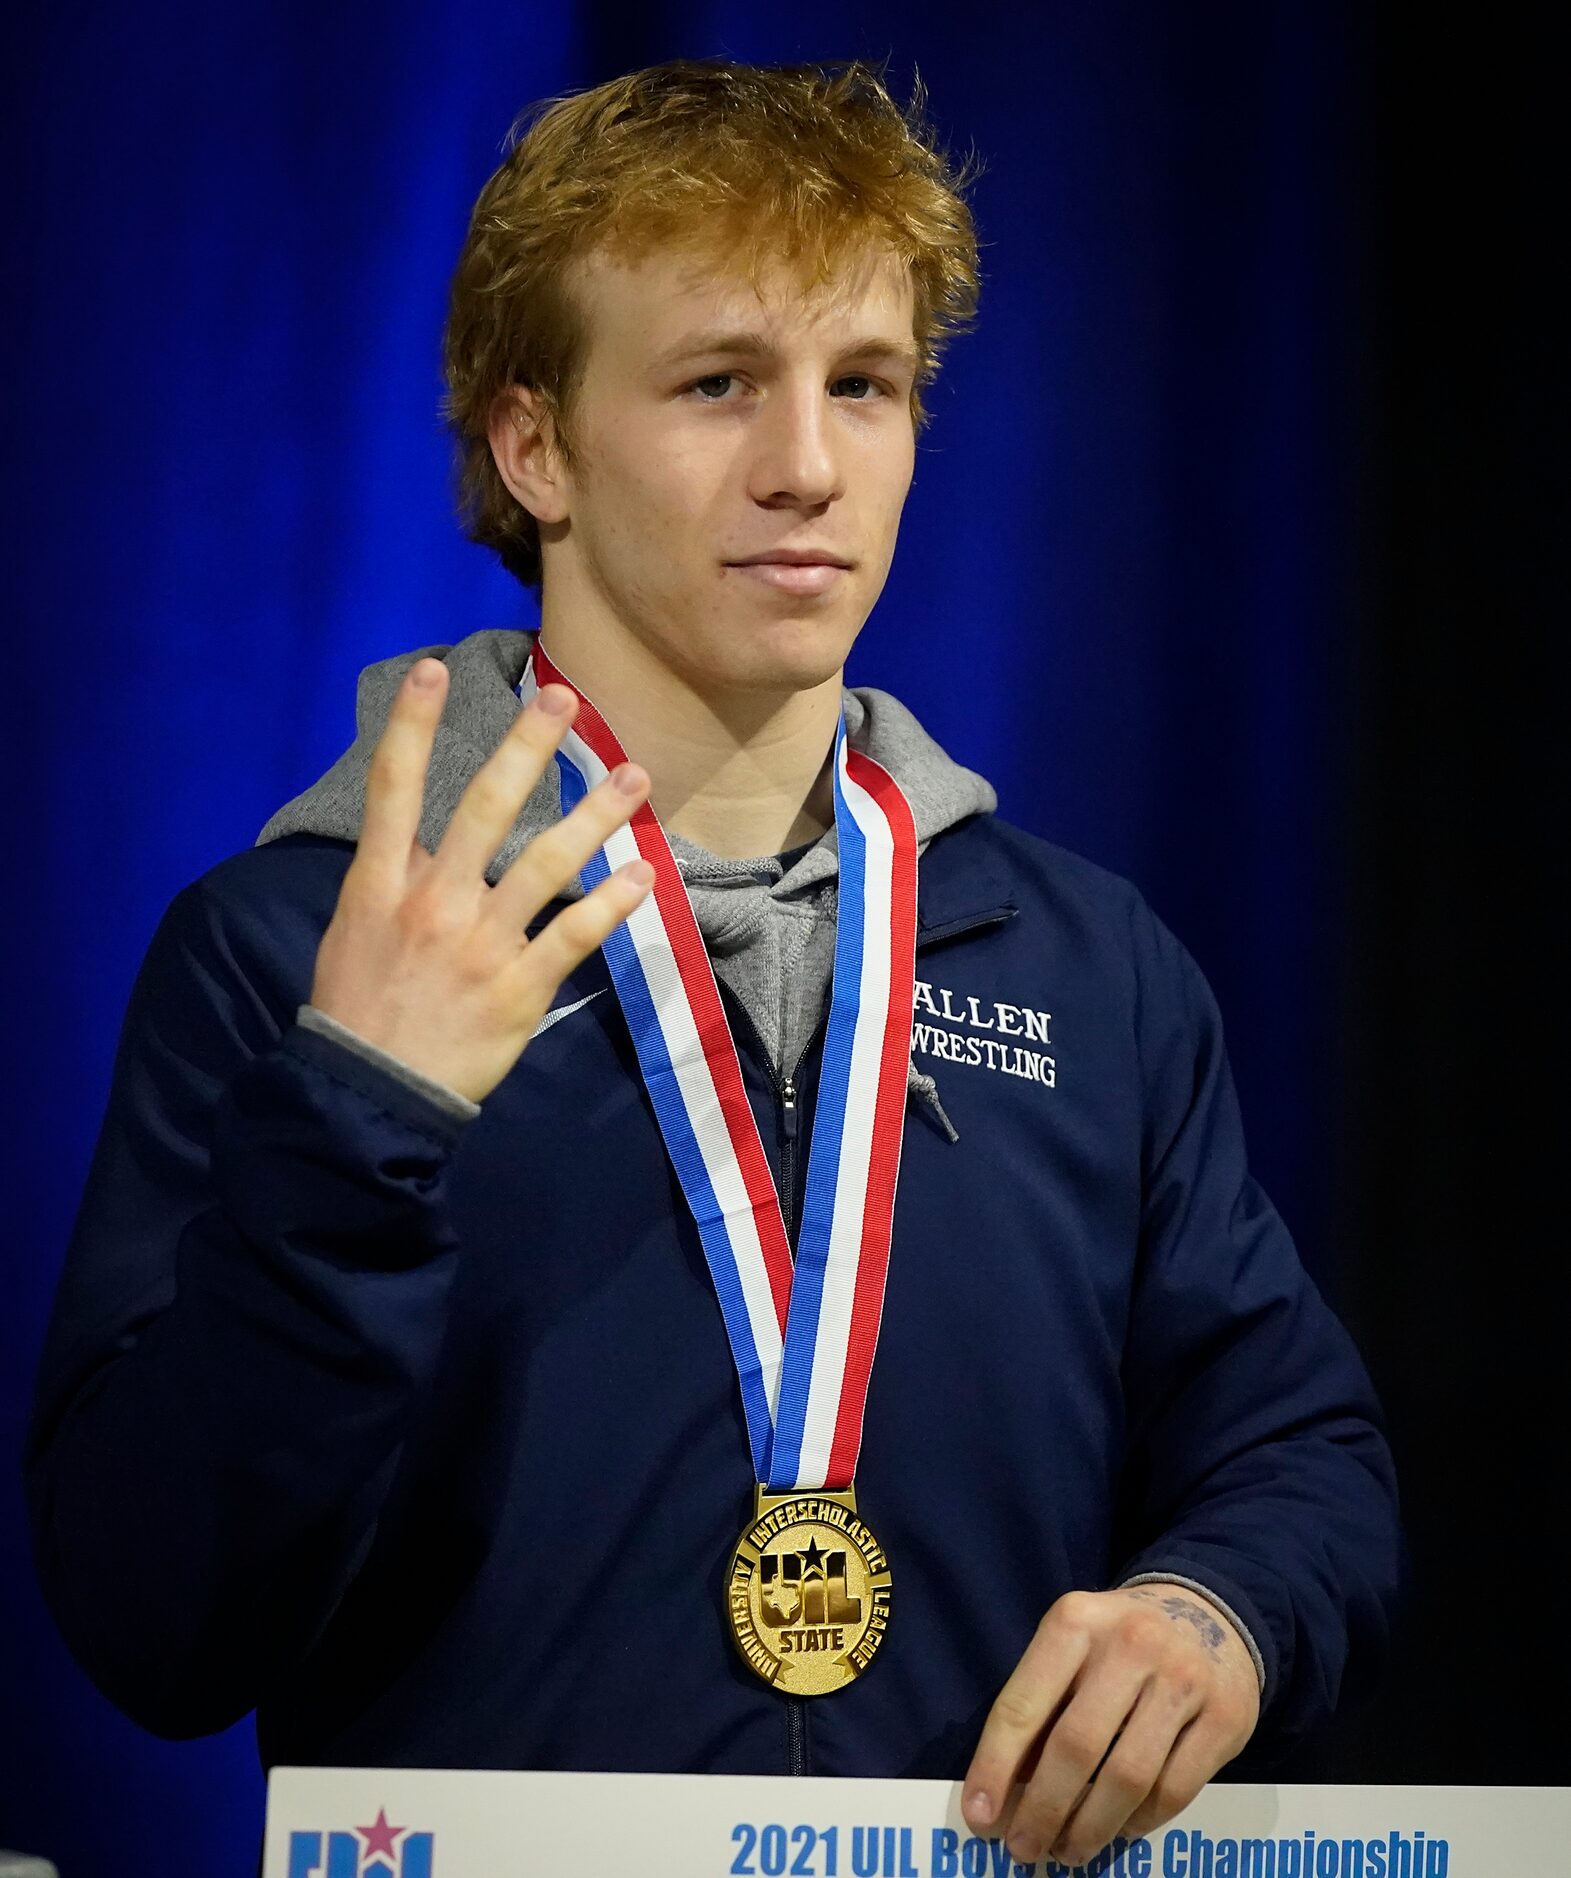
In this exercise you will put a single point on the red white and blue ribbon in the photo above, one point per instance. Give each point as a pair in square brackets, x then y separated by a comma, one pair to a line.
[803, 1337]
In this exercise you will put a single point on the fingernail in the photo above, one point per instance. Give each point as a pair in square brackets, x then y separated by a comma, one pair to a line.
[1024, 1848]
[640, 873]
[555, 700]
[978, 1807]
[423, 675]
[629, 778]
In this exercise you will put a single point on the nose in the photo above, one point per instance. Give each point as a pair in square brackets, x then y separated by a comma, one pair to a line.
[795, 462]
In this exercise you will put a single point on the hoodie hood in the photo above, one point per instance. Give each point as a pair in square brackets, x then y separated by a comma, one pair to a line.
[482, 701]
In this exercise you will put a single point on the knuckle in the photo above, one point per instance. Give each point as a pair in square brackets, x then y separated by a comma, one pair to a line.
[1181, 1690]
[529, 870]
[1142, 1631]
[548, 856]
[1073, 1614]
[386, 768]
[601, 813]
[1015, 1708]
[576, 928]
[428, 917]
[1130, 1775]
[584, 935]
[1078, 1745]
[490, 796]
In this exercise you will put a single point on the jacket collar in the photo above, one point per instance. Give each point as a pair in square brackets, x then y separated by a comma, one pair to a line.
[961, 882]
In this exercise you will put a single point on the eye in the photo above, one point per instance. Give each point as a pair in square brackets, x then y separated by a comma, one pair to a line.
[861, 378]
[714, 378]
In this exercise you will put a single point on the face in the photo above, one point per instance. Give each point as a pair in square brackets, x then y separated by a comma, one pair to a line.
[715, 425]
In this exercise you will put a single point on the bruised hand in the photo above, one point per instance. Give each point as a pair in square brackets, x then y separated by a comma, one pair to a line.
[1122, 1708]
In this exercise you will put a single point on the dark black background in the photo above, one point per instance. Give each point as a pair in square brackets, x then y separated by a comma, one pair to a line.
[1455, 1047]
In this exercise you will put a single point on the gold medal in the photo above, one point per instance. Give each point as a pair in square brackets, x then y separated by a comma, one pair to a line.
[808, 1594]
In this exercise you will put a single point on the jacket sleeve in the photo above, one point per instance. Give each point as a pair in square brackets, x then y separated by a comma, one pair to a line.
[255, 1288]
[1257, 1468]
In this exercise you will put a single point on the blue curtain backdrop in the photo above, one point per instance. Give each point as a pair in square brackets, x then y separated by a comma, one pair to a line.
[1127, 588]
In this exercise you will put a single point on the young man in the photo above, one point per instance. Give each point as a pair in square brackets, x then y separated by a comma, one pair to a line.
[502, 1314]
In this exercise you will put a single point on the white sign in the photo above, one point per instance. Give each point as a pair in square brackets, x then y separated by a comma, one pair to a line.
[328, 1822]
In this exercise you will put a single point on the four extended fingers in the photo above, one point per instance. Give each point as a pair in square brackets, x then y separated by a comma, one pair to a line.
[486, 812]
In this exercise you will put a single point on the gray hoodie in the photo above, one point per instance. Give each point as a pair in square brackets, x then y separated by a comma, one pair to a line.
[768, 922]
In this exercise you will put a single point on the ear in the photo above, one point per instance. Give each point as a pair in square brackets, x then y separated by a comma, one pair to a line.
[523, 449]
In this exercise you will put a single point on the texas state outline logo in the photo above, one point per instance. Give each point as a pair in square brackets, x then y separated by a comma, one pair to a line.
[376, 1851]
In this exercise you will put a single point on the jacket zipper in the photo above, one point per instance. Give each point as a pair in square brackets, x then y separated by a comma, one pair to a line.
[788, 1141]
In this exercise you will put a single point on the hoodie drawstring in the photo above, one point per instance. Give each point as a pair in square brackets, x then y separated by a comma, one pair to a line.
[927, 1089]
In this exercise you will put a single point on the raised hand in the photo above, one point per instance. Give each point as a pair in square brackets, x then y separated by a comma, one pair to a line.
[423, 957]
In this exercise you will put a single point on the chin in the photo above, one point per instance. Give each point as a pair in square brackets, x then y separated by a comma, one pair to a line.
[794, 653]
[781, 648]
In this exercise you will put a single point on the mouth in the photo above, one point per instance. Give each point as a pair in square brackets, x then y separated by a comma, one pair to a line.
[811, 577]
[792, 576]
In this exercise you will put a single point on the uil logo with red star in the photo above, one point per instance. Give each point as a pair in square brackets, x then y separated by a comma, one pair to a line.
[379, 1850]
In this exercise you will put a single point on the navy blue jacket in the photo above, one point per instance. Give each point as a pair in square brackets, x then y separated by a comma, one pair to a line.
[422, 1436]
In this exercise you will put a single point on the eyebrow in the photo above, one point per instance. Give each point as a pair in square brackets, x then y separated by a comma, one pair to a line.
[754, 345]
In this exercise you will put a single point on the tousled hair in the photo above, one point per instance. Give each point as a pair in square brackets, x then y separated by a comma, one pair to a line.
[803, 163]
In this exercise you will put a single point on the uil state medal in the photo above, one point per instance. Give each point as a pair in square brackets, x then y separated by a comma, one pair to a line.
[808, 1593]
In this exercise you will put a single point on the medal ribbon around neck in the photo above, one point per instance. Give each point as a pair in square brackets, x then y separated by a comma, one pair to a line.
[803, 1338]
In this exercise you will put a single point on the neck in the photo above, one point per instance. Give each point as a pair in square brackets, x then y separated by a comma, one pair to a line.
[740, 773]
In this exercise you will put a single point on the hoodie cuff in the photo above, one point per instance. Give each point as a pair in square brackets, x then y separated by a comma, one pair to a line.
[448, 1100]
[1211, 1598]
